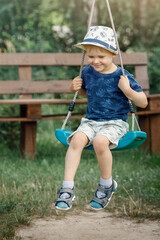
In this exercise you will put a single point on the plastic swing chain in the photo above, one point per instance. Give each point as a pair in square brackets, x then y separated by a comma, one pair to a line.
[132, 138]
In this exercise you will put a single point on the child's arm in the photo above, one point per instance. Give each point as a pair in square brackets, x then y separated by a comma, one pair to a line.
[77, 86]
[138, 98]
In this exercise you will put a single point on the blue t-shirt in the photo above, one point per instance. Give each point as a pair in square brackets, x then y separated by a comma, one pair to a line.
[106, 101]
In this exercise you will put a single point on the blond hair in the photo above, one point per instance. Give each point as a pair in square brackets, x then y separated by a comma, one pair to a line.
[87, 48]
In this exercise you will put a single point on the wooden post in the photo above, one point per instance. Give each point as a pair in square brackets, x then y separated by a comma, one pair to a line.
[150, 123]
[144, 123]
[28, 139]
[28, 129]
[155, 133]
[154, 105]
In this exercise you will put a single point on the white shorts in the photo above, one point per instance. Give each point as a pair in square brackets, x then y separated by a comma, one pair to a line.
[114, 130]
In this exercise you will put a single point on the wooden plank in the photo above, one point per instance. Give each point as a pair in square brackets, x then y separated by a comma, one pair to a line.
[62, 59]
[47, 117]
[154, 104]
[131, 58]
[154, 96]
[153, 112]
[141, 76]
[62, 116]
[25, 73]
[155, 133]
[30, 87]
[14, 119]
[28, 132]
[74, 117]
[40, 59]
[34, 111]
[144, 123]
[41, 101]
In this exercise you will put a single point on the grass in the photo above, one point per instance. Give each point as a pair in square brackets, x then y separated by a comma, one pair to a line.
[27, 188]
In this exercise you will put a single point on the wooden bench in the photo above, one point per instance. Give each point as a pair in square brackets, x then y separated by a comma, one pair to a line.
[30, 109]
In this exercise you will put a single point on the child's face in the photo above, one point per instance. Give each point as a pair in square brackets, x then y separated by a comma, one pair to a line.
[100, 59]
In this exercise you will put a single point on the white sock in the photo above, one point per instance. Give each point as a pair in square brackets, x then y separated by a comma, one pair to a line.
[106, 183]
[67, 184]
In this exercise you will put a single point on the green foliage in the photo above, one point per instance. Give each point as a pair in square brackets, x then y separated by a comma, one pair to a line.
[27, 26]
[154, 69]
[137, 22]
[9, 131]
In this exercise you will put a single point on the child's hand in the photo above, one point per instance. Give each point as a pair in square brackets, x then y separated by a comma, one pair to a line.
[124, 84]
[76, 84]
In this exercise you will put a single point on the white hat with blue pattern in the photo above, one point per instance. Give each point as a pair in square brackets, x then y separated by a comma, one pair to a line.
[100, 36]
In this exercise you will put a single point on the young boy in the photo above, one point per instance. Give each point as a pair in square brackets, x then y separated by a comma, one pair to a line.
[107, 110]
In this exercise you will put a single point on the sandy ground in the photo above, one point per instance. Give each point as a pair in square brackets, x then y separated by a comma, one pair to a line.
[90, 226]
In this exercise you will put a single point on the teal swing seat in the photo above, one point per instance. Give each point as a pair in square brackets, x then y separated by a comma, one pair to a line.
[132, 139]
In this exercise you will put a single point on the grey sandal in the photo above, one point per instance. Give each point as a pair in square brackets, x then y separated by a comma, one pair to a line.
[64, 203]
[100, 203]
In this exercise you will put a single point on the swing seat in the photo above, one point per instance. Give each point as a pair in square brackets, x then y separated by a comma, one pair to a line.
[132, 139]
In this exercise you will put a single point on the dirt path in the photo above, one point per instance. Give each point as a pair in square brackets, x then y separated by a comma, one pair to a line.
[90, 226]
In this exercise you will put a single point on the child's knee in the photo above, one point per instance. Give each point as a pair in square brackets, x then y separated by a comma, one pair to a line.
[100, 143]
[79, 140]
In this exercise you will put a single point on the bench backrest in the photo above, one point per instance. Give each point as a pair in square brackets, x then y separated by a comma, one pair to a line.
[25, 61]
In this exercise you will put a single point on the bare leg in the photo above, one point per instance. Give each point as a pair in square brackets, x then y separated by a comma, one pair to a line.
[72, 160]
[105, 189]
[104, 156]
[73, 155]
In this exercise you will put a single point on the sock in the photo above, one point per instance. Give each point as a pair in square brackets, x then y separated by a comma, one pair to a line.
[67, 184]
[104, 183]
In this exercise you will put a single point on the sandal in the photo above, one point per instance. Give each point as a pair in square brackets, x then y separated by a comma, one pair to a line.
[100, 203]
[64, 203]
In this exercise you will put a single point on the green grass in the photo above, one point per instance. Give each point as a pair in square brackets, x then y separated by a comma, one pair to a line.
[28, 188]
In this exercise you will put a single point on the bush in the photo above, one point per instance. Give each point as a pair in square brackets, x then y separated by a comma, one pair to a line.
[154, 70]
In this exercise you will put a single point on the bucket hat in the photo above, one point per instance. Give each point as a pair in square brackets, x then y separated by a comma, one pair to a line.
[100, 36]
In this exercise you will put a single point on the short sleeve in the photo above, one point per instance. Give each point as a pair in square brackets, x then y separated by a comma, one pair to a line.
[133, 83]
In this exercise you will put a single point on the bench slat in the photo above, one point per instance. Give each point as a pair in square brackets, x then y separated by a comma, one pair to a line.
[30, 87]
[50, 117]
[39, 87]
[62, 59]
[62, 117]
[41, 101]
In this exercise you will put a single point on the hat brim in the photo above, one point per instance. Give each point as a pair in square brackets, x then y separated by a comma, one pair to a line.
[81, 45]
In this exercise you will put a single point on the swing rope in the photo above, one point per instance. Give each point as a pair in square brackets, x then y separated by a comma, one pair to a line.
[134, 119]
[72, 104]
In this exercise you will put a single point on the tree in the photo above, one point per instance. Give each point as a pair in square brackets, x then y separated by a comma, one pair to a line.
[27, 26]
